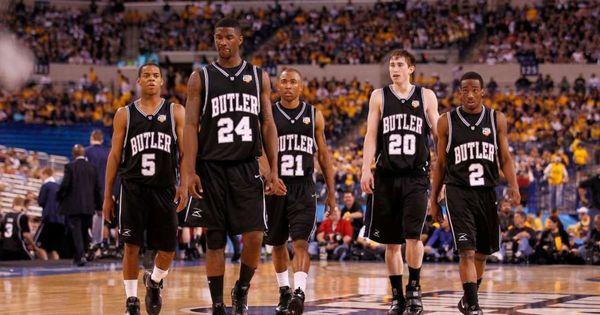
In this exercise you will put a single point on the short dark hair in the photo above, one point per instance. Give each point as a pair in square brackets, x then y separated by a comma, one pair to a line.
[149, 64]
[290, 69]
[229, 22]
[98, 135]
[408, 57]
[471, 75]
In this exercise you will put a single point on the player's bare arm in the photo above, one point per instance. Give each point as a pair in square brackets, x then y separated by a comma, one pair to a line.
[506, 162]
[179, 113]
[190, 181]
[367, 182]
[431, 111]
[114, 158]
[324, 158]
[439, 168]
[269, 134]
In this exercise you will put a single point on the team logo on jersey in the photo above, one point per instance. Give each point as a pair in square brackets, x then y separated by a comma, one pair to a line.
[247, 78]
[415, 104]
[162, 118]
[306, 120]
[486, 131]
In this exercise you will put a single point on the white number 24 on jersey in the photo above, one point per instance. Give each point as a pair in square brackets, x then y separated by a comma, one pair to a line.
[226, 130]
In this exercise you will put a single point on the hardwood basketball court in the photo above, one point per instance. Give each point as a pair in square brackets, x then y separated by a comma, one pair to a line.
[333, 288]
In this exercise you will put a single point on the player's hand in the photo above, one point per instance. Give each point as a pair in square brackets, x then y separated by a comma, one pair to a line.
[276, 186]
[108, 208]
[193, 185]
[435, 211]
[330, 203]
[367, 183]
[181, 197]
[514, 196]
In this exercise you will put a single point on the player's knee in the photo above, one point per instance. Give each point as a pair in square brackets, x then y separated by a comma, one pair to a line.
[216, 239]
[413, 241]
[466, 254]
[131, 249]
[393, 248]
[253, 239]
[300, 245]
[480, 257]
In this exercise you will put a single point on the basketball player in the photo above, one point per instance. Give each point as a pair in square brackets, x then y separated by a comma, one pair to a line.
[16, 242]
[300, 128]
[472, 142]
[401, 117]
[146, 140]
[230, 100]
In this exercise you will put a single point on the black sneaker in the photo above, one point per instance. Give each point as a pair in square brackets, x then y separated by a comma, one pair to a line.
[414, 304]
[398, 306]
[132, 306]
[285, 295]
[466, 309]
[297, 303]
[219, 309]
[239, 299]
[153, 299]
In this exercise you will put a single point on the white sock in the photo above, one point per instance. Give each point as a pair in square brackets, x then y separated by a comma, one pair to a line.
[158, 274]
[131, 287]
[283, 279]
[300, 280]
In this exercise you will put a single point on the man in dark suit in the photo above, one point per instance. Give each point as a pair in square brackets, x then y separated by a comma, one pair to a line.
[51, 233]
[97, 154]
[79, 197]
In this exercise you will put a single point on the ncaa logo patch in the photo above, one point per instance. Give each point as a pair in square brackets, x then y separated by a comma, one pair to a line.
[415, 104]
[306, 120]
[247, 78]
[486, 131]
[162, 118]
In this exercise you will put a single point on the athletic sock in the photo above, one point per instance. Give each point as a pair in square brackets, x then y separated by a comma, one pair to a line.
[300, 280]
[396, 283]
[131, 287]
[246, 274]
[158, 274]
[470, 289]
[414, 275]
[215, 284]
[283, 279]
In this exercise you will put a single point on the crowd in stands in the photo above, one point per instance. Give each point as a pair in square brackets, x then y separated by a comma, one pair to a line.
[554, 32]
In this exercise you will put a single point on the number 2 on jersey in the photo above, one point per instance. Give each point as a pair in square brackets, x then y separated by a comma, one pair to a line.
[476, 175]
[399, 145]
[225, 132]
[287, 165]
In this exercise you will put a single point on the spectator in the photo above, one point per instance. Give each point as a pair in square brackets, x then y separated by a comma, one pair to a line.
[553, 245]
[369, 249]
[519, 242]
[441, 244]
[593, 185]
[580, 157]
[352, 212]
[52, 232]
[79, 196]
[591, 249]
[580, 229]
[15, 237]
[506, 216]
[523, 84]
[97, 155]
[556, 175]
[335, 236]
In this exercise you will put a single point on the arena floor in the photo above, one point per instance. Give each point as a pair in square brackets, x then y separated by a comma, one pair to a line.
[333, 288]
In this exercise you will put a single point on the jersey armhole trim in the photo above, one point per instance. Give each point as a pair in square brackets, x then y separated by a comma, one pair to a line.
[494, 134]
[449, 131]
[382, 102]
[257, 88]
[425, 107]
[127, 127]
[205, 71]
[173, 129]
[314, 122]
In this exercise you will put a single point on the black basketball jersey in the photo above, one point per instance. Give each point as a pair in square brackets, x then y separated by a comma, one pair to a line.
[230, 126]
[402, 139]
[12, 238]
[297, 144]
[472, 158]
[150, 154]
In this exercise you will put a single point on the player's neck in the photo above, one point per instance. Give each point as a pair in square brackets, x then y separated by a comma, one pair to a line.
[476, 110]
[232, 62]
[402, 88]
[150, 101]
[290, 105]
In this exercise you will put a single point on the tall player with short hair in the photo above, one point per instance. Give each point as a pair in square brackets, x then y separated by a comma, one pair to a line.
[401, 118]
[472, 143]
[146, 142]
[300, 128]
[230, 101]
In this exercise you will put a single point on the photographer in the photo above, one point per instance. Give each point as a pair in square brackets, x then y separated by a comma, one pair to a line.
[335, 236]
[518, 243]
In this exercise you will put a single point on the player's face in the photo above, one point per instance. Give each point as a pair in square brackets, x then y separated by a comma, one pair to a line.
[289, 85]
[471, 93]
[227, 41]
[400, 71]
[150, 80]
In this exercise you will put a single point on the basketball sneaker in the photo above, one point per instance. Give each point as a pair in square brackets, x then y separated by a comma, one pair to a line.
[398, 305]
[239, 299]
[132, 306]
[466, 309]
[219, 309]
[285, 295]
[153, 299]
[297, 303]
[414, 304]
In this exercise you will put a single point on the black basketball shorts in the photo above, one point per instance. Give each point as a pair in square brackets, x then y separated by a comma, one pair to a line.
[397, 208]
[292, 215]
[193, 213]
[473, 218]
[50, 236]
[148, 216]
[233, 193]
